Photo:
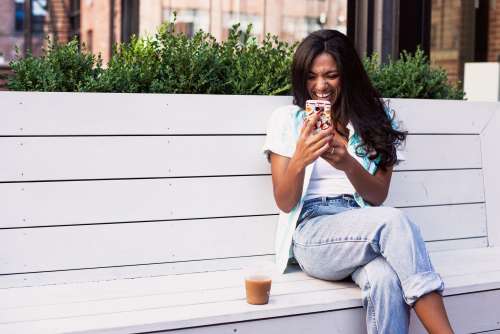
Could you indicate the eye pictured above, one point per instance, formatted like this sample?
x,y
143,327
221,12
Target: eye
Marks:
x,y
332,76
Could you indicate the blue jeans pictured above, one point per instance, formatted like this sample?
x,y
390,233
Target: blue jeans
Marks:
x,y
379,247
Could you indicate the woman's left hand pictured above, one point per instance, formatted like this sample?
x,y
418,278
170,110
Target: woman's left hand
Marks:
x,y
337,155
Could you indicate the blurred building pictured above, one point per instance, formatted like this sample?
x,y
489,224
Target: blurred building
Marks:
x,y
291,20
57,19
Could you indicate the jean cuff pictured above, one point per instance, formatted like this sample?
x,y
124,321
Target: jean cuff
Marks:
x,y
421,284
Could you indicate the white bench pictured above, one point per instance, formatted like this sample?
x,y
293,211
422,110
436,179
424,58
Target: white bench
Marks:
x,y
134,213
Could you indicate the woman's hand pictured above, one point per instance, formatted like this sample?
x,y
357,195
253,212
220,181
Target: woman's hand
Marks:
x,y
310,146
337,155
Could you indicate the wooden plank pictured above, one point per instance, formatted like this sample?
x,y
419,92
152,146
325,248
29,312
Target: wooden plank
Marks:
x,y
118,244
93,113
348,321
141,299
423,152
445,245
168,242
126,272
171,284
27,113
189,309
468,313
476,269
490,138
88,202
450,221
435,187
443,116
66,158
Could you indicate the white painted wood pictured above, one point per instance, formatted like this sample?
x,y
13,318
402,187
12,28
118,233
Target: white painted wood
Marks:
x,y
450,221
88,202
468,313
348,321
423,152
168,242
490,139
442,116
436,246
195,315
94,113
126,272
57,203
65,158
473,261
31,113
157,303
135,243
171,284
482,81
435,187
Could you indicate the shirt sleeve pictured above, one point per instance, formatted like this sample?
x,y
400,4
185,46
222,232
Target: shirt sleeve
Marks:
x,y
279,137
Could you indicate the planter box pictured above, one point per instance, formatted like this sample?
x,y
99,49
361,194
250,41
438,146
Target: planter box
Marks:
x,y
482,81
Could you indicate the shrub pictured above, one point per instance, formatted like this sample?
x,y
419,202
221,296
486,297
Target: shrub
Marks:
x,y
170,62
411,76
63,68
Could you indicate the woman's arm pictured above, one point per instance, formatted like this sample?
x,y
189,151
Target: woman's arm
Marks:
x,y
373,188
288,173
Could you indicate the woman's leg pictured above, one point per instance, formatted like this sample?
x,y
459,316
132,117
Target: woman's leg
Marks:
x,y
332,247
431,312
386,310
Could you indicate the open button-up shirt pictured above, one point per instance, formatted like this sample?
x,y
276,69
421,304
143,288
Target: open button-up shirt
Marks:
x,y
283,131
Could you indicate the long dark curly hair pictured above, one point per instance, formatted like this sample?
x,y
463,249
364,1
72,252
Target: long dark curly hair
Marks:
x,y
359,102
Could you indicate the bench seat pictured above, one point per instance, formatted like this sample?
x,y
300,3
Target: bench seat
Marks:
x,y
203,300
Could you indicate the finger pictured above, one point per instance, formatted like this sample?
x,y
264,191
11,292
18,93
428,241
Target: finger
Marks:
x,y
322,134
322,150
320,143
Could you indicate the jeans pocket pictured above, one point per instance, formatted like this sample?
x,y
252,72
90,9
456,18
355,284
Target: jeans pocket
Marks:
x,y
306,213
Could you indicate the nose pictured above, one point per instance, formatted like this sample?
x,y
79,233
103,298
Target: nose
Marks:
x,y
321,84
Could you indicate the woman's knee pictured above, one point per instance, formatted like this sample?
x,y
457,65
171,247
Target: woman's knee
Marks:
x,y
382,277
397,219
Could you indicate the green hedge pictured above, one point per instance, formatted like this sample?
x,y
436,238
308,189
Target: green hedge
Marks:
x,y
170,62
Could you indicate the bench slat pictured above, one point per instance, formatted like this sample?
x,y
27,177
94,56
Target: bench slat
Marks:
x,y
88,246
156,309
69,158
29,113
472,261
88,202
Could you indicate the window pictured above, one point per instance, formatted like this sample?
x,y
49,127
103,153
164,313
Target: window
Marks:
x,y
38,12
74,19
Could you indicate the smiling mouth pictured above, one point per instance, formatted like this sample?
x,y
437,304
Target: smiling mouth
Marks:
x,y
323,95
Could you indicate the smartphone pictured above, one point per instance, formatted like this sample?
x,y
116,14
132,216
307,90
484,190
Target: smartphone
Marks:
x,y
323,108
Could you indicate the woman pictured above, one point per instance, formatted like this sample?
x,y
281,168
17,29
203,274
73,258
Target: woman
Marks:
x,y
329,187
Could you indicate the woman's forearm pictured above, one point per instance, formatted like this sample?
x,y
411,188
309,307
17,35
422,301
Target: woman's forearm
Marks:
x,y
372,189
289,189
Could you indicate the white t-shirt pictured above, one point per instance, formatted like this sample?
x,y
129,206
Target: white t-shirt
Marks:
x,y
327,180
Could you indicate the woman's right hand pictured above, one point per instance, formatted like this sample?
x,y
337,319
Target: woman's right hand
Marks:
x,y
310,145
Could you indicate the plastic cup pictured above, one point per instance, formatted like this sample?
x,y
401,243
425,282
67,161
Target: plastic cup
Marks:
x,y
258,280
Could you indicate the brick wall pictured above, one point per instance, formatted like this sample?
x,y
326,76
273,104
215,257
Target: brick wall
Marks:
x,y
494,32
4,72
94,28
57,21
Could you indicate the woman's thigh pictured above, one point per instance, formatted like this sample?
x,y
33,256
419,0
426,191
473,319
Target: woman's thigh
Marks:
x,y
332,246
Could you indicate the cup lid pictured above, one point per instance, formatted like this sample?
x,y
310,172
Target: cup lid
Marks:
x,y
260,268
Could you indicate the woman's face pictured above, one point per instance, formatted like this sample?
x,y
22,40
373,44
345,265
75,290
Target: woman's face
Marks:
x,y
323,81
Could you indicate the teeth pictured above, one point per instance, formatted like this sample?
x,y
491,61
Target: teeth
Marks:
x,y
323,95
